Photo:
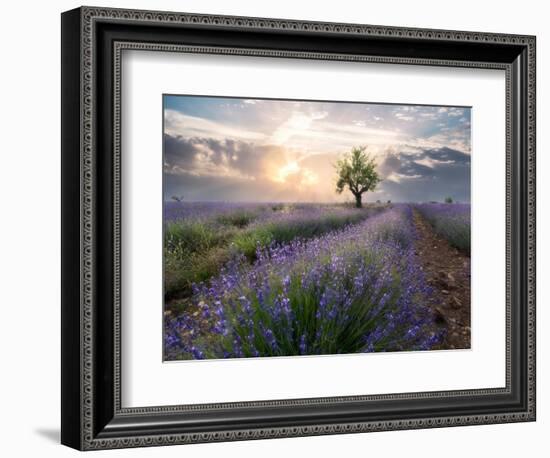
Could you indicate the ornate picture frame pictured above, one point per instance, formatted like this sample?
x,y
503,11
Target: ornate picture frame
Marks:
x,y
93,416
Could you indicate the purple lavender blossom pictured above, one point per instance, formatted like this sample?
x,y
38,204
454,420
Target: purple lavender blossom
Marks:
x,y
450,221
358,289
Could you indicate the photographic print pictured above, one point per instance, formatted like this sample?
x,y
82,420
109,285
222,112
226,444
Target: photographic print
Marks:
x,y
263,255
296,227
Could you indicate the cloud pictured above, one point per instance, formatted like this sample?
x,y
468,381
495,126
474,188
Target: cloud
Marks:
x,y
425,174
408,109
455,112
454,138
295,175
297,124
211,157
390,164
205,169
399,177
429,115
252,149
403,117
432,163
239,160
316,132
175,123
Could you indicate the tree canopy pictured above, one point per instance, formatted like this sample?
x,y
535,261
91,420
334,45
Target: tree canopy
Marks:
x,y
357,171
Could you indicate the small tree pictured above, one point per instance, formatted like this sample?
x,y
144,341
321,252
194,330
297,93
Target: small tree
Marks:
x,y
448,200
357,171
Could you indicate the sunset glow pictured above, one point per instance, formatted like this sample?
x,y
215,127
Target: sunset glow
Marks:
x,y
237,149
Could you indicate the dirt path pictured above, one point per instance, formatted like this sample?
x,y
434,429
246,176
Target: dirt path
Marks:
x,y
448,272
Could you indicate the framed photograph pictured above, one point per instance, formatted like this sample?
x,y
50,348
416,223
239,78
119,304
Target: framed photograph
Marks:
x,y
276,228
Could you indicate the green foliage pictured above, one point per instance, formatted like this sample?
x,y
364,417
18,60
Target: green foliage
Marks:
x,y
194,236
284,231
330,336
237,218
182,269
456,232
192,252
448,200
357,172
247,242
195,250
452,222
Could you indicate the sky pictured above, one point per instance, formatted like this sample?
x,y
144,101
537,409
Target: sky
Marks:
x,y
268,150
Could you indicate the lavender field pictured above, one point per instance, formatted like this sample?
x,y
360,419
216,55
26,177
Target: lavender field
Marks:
x,y
279,279
452,222
369,264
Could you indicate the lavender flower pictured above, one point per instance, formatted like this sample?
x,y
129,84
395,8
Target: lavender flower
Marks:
x,y
450,221
356,289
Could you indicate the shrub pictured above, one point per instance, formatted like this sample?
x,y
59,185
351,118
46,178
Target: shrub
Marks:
x,y
452,222
359,289
238,218
196,248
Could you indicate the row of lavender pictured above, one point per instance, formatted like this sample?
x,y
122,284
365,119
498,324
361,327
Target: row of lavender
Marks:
x,y
201,237
357,289
450,221
175,211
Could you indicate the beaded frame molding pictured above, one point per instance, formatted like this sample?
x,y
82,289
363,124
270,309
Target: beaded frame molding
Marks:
x,y
93,40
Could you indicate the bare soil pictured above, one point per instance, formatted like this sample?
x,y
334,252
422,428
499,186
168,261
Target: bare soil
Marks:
x,y
448,273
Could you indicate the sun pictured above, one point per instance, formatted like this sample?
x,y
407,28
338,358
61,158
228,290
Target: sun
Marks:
x,y
292,168
293,173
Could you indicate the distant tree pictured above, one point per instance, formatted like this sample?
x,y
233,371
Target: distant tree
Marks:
x,y
448,200
357,171
177,198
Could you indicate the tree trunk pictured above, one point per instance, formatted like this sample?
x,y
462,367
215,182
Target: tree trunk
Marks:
x,y
358,203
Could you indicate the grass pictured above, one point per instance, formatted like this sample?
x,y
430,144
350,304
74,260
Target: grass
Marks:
x,y
196,249
456,232
358,289
193,252
284,231
450,221
239,218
